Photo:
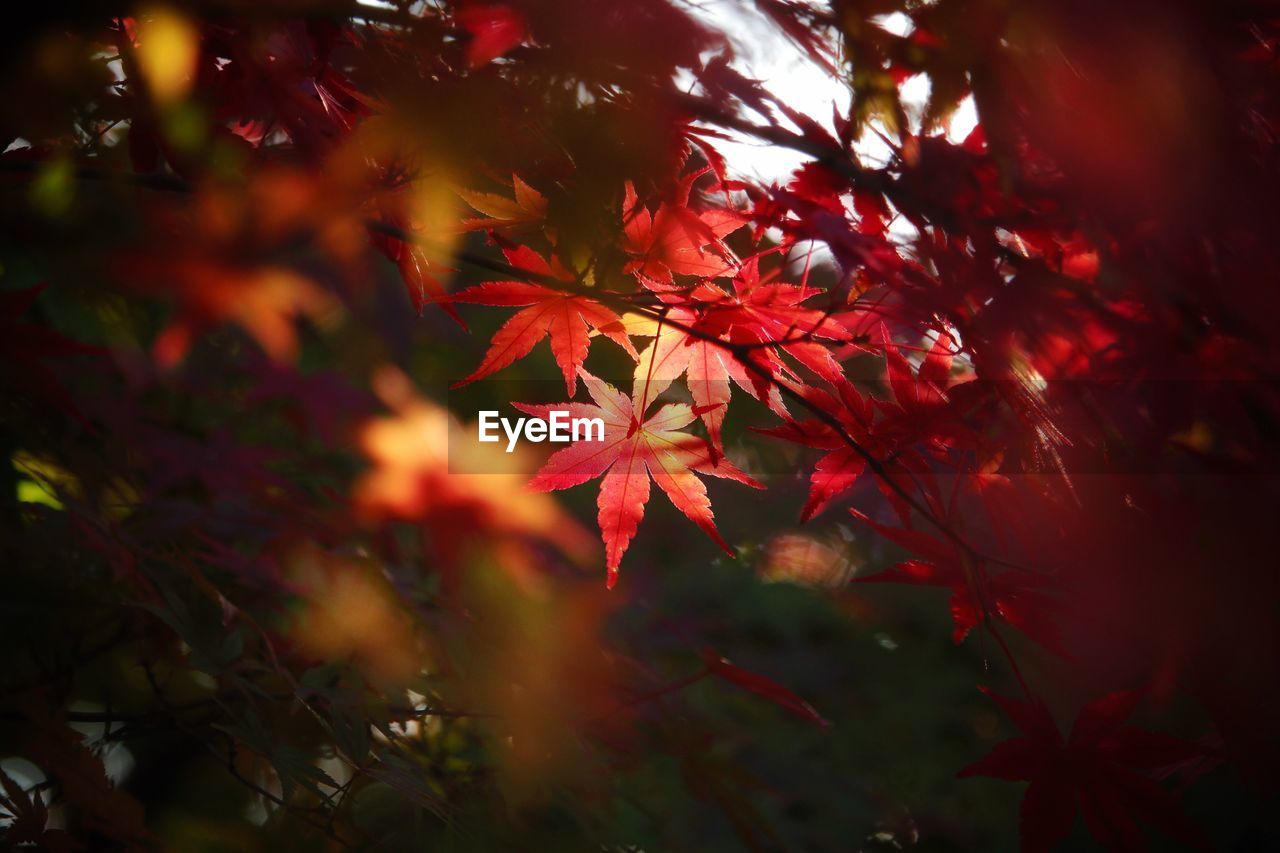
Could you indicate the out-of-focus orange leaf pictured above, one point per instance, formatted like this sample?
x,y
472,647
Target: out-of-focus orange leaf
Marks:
x,y
228,256
412,481
536,662
264,302
167,49
350,611
804,560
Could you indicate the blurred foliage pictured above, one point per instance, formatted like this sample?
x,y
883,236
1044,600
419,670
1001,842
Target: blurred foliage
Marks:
x,y
258,595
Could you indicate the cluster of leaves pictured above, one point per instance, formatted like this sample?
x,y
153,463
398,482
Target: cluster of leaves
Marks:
x,y
1034,359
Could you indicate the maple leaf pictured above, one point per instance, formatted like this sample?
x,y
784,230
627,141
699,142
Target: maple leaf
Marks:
x,y
769,316
773,308
416,271
566,318
528,207
495,29
676,239
264,302
925,402
709,369
837,471
305,97
919,399
634,450
423,285
765,688
916,392
1022,599
27,818
104,808
1100,771
817,183
752,316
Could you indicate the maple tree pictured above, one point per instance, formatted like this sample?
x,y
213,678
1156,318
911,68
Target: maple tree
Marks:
x,y
1003,328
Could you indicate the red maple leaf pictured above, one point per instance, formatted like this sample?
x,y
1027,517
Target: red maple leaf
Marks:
x,y
915,392
765,688
417,271
1102,771
566,318
495,29
634,450
709,369
761,318
763,313
925,403
920,398
1023,599
838,470
676,239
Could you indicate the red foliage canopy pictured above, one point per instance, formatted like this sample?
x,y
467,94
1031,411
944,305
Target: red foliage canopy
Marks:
x,y
1039,360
